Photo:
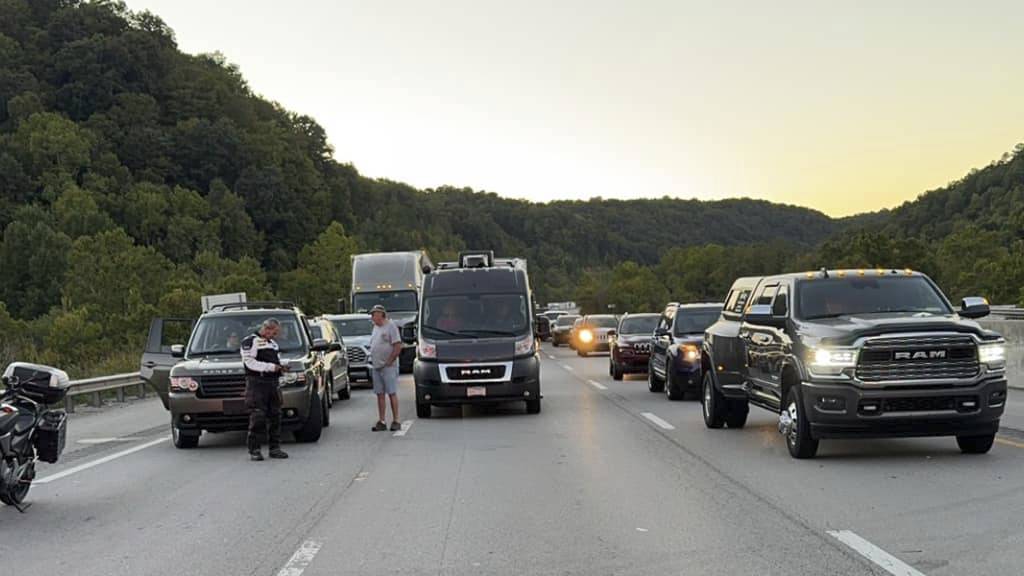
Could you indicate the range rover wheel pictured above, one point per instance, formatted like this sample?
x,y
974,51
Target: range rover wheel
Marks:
x,y
314,425
713,403
653,383
183,441
422,410
675,393
795,427
975,444
533,406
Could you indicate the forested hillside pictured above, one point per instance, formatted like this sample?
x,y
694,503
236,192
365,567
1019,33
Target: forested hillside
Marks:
x,y
134,178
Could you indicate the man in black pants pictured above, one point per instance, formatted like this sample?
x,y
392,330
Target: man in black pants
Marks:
x,y
262,394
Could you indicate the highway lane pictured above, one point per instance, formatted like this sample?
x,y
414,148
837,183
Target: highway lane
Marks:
x,y
589,486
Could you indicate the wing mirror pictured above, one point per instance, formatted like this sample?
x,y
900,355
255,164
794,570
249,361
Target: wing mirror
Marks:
x,y
974,307
177,351
335,347
761,315
409,333
319,345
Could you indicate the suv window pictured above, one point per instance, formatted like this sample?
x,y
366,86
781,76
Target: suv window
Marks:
x,y
638,325
694,320
765,295
603,321
353,326
565,320
223,334
780,307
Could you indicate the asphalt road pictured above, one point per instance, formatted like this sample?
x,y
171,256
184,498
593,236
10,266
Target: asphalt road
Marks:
x,y
608,479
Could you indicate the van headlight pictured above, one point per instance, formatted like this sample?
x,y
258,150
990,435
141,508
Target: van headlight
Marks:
x,y
524,346
426,349
993,355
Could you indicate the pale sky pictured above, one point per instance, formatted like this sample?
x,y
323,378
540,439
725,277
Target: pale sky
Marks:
x,y
842,106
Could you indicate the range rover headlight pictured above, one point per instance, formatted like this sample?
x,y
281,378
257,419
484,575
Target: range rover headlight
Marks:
x,y
994,355
184,384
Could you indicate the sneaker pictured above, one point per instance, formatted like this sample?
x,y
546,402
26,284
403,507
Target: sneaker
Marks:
x,y
379,427
278,454
396,426
256,456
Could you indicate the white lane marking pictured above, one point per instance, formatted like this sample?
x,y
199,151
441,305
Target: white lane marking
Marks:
x,y
302,558
104,440
95,463
881,558
658,421
405,428
362,476
642,530
551,356
597,385
569,368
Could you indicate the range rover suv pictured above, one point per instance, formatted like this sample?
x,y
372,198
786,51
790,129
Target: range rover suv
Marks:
x,y
855,354
631,345
676,349
202,383
476,336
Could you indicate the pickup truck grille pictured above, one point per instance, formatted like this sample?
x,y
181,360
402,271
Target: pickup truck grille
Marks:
x,y
940,357
232,386
356,355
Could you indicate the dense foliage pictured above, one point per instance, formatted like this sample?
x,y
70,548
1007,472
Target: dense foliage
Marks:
x,y
135,178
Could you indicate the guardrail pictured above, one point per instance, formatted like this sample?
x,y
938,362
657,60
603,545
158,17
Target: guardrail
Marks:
x,y
1008,312
96,386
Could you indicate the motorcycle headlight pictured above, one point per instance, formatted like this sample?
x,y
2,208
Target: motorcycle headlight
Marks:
x,y
426,349
994,355
524,346
184,384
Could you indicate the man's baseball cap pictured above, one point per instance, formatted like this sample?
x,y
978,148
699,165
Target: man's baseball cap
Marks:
x,y
378,308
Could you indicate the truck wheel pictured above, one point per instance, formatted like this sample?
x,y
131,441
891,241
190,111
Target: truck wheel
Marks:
x,y
737,415
653,384
314,425
422,410
533,406
798,431
713,403
975,444
672,387
183,441
617,372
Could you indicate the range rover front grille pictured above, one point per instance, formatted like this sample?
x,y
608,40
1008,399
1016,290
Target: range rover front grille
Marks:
x,y
939,357
232,386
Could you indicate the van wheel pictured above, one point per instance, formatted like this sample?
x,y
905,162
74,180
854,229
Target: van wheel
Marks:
x,y
422,410
713,403
798,432
653,384
314,425
975,444
533,406
183,441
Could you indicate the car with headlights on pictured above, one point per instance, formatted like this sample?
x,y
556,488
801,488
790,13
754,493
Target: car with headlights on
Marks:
x,y
594,333
855,354
630,345
675,364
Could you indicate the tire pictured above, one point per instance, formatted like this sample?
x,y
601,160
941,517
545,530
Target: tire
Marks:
x,y
533,406
799,441
653,384
16,495
736,418
313,427
672,389
975,444
617,372
183,441
327,409
423,410
346,392
712,402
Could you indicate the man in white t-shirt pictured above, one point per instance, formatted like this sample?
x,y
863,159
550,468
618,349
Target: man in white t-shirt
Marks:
x,y
385,346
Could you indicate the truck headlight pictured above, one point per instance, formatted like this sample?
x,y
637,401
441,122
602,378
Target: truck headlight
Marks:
x,y
994,355
524,346
426,349
835,358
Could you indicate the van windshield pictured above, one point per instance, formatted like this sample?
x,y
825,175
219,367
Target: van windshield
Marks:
x,y
222,335
453,317
404,301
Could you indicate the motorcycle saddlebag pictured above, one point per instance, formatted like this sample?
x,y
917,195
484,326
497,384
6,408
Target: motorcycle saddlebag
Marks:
x,y
51,435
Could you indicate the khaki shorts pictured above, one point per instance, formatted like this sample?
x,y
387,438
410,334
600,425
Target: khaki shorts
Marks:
x,y
385,380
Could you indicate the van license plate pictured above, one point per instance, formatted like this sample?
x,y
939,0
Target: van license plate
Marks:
x,y
476,391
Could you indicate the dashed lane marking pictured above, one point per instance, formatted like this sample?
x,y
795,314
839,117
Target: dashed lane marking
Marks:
x,y
597,385
302,558
98,462
569,368
1009,443
658,421
879,557
405,428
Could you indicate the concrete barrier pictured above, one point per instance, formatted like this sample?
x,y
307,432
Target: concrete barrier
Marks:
x,y
1013,331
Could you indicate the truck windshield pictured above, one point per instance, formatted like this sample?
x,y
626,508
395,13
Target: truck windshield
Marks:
x,y
639,325
404,301
475,316
353,327
694,321
834,297
222,335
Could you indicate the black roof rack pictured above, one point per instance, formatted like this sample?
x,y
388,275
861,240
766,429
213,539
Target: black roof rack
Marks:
x,y
255,305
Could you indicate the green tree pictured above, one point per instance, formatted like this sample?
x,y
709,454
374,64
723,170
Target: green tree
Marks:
x,y
324,274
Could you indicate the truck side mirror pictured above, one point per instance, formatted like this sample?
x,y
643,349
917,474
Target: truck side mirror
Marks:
x,y
974,307
177,351
761,315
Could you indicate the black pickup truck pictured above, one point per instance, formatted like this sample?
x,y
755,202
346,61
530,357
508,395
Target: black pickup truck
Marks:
x,y
854,354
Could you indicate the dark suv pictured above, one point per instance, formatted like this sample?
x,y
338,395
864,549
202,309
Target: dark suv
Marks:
x,y
675,349
855,354
203,383
561,329
631,345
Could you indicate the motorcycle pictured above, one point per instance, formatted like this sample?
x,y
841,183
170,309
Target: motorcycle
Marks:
x,y
29,430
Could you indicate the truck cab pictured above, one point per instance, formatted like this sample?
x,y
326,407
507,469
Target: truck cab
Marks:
x,y
854,354
476,338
